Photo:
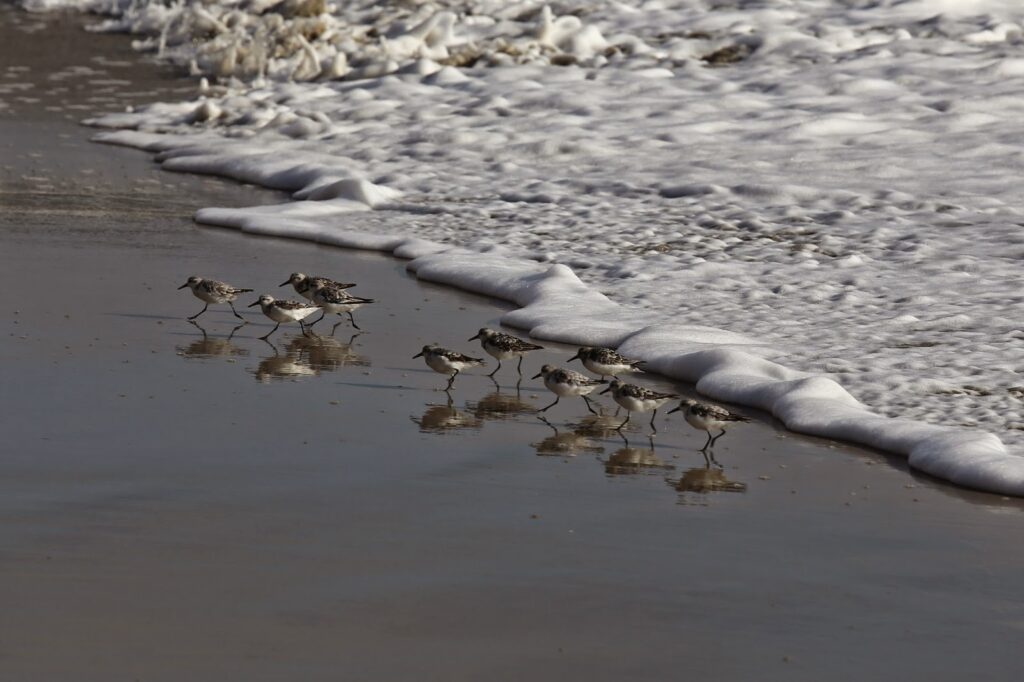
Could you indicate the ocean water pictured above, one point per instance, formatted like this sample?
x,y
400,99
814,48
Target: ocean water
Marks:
x,y
808,207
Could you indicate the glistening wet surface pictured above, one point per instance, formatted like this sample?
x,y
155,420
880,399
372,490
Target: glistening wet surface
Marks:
x,y
180,505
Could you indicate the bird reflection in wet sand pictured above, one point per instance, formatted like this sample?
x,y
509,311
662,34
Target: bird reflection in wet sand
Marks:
x,y
288,365
500,405
305,356
706,479
599,425
566,443
216,346
630,460
327,354
445,418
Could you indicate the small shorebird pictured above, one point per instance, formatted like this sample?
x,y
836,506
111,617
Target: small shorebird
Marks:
x,y
211,291
332,299
704,417
565,382
501,346
606,362
283,311
637,399
304,284
444,361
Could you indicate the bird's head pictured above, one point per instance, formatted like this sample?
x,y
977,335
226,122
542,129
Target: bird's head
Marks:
x,y
545,371
264,300
581,353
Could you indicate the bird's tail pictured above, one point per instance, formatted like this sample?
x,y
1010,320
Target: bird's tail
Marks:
x,y
243,291
638,365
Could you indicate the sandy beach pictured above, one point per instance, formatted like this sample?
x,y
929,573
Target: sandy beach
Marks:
x,y
188,503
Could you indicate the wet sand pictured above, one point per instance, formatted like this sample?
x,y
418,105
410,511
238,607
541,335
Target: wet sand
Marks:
x,y
185,506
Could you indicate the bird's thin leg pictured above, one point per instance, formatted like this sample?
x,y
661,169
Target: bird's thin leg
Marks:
x,y
617,410
322,314
557,398
200,328
451,380
495,381
353,321
712,441
628,415
264,338
707,461
236,329
655,414
335,328
520,365
495,370
230,303
707,443
589,407
200,312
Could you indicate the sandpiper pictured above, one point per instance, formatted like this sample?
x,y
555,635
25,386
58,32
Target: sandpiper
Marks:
x,y
501,346
211,291
332,299
704,417
283,311
304,284
444,361
606,362
565,382
638,399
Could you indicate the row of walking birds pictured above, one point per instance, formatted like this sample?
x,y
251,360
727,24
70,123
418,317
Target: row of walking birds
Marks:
x,y
568,383
330,296
321,294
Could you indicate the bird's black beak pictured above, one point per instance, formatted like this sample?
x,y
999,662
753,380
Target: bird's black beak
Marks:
x,y
675,410
474,338
605,390
183,285
287,281
252,304
418,355
536,375
575,357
